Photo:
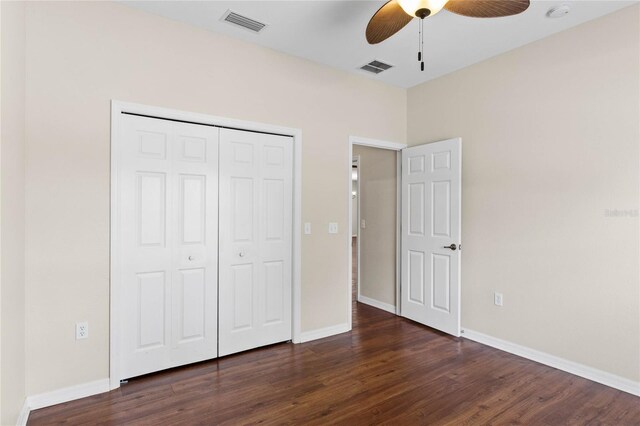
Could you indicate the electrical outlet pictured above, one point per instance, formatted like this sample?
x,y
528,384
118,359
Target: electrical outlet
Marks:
x,y
333,228
82,330
307,228
363,224
497,299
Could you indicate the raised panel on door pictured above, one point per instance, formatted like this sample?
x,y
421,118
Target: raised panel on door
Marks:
x,y
274,205
192,209
256,199
150,303
441,209
190,303
416,205
151,198
193,148
431,222
151,144
415,277
440,282
242,288
167,244
275,292
241,206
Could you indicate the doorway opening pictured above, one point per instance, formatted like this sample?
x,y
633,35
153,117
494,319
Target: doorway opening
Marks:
x,y
374,193
427,201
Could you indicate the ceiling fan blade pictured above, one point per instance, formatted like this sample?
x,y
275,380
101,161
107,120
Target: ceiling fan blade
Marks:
x,y
387,21
487,8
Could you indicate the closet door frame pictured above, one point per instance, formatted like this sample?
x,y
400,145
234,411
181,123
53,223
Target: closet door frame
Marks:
x,y
119,108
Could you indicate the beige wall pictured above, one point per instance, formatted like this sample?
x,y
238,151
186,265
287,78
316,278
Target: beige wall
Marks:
x,y
82,55
378,207
12,179
550,137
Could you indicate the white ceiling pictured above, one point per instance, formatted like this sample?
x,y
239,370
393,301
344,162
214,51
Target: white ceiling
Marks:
x,y
332,32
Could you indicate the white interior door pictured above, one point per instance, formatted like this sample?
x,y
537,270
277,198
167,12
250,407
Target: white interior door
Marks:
x,y
256,205
431,222
168,198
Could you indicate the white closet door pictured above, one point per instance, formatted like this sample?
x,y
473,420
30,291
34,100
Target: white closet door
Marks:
x,y
168,198
256,187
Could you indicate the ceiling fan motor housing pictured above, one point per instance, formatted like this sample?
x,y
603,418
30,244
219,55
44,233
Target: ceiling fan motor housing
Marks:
x,y
423,13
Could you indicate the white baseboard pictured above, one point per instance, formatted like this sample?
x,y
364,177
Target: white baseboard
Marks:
x,y
575,368
67,394
23,416
377,304
307,336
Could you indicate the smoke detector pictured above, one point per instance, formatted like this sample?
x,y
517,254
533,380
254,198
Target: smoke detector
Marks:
x,y
558,12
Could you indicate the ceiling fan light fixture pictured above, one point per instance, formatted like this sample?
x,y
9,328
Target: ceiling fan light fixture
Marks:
x,y
422,8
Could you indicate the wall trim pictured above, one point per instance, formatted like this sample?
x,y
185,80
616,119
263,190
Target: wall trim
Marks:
x,y
321,333
572,367
377,304
375,143
23,416
70,393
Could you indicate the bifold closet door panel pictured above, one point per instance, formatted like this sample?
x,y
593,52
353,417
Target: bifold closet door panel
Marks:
x,y
195,285
256,209
167,240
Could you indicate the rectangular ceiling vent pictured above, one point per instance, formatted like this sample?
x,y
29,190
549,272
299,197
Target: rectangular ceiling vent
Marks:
x,y
242,21
376,67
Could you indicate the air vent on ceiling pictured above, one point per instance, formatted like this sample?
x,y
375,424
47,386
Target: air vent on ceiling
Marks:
x,y
376,67
242,21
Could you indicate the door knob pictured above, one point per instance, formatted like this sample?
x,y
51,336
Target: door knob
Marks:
x,y
190,258
241,254
451,247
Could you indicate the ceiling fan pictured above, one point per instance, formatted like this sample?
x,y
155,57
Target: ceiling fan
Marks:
x,y
395,14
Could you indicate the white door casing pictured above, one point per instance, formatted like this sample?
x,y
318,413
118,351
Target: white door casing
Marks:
x,y
431,222
168,211
256,196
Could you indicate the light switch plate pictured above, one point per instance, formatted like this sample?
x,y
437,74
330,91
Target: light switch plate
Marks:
x,y
363,224
307,228
333,228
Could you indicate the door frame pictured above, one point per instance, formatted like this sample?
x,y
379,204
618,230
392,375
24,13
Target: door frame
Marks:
x,y
356,160
119,107
374,143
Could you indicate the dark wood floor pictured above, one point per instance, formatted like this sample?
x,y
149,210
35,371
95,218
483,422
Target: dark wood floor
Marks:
x,y
387,370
